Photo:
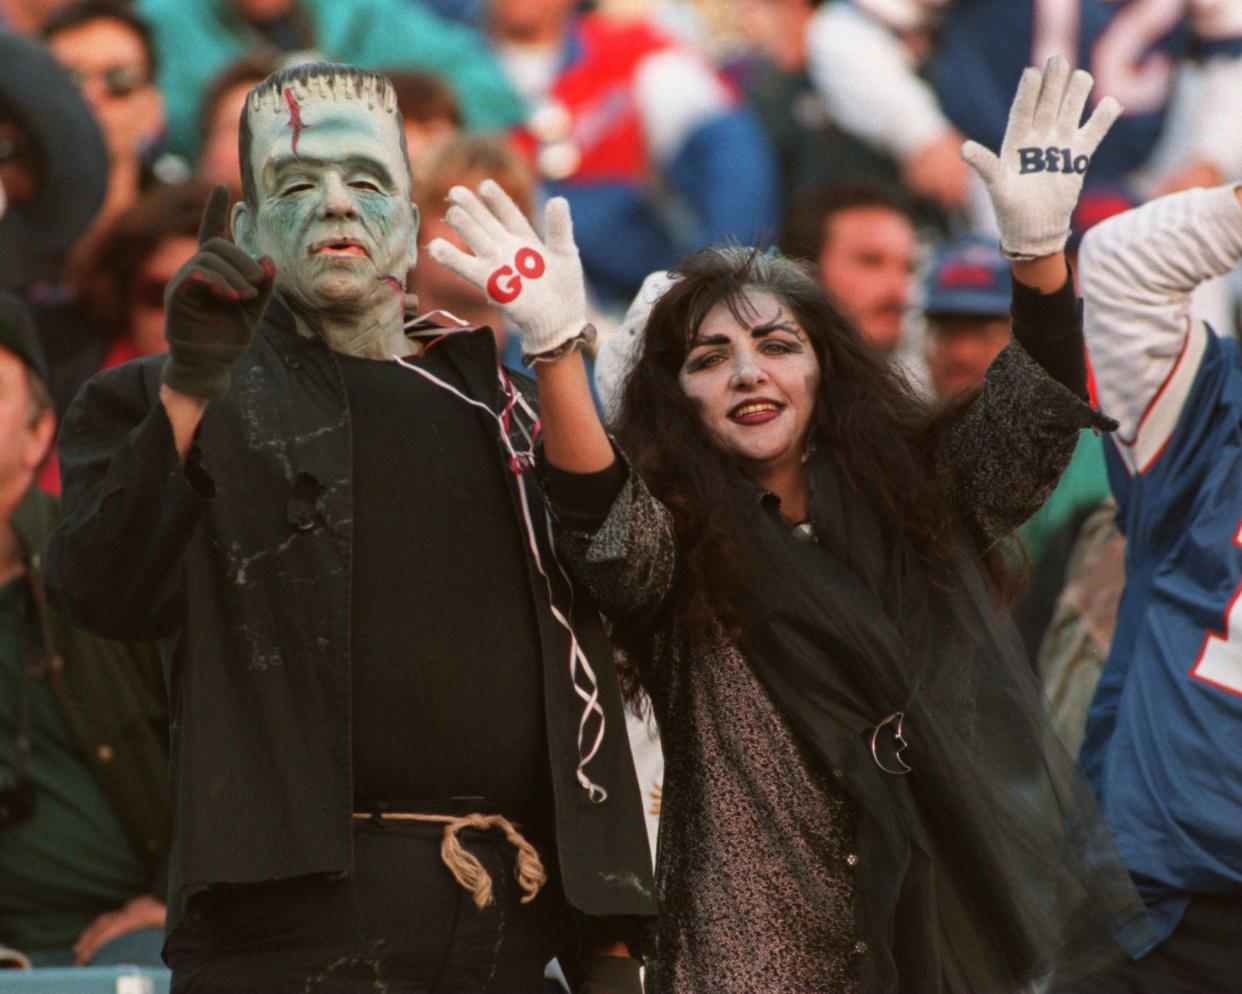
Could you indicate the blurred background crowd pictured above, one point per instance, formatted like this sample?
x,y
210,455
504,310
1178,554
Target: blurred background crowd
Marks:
x,y
828,131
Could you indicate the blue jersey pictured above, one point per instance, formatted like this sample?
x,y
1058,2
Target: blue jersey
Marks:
x,y
1163,748
1131,47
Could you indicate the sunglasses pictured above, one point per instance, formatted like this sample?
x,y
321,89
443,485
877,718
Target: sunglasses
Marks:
x,y
119,81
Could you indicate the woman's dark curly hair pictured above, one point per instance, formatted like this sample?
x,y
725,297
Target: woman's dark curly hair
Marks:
x,y
879,428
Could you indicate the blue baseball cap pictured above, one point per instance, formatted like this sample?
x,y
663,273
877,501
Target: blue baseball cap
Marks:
x,y
968,276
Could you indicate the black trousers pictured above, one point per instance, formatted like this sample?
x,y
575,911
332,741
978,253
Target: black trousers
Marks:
x,y
399,923
1203,955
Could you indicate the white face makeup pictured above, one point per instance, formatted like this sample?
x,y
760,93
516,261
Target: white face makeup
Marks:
x,y
333,191
754,384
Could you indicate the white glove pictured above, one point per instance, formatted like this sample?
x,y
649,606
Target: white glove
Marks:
x,y
540,287
1035,182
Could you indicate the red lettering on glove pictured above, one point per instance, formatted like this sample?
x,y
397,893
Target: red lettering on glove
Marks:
x,y
505,292
504,285
529,263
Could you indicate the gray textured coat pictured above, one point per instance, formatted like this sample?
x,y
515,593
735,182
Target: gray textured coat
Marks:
x,y
758,870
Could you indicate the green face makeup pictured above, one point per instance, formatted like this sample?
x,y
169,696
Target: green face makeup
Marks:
x,y
333,192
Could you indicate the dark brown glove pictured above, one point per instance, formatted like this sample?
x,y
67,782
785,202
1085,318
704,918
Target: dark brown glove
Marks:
x,y
212,305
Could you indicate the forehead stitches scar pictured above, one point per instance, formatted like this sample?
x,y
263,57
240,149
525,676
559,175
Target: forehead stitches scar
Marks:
x,y
295,118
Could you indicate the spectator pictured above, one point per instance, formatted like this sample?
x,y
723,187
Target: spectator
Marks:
x,y
237,499
752,555
1168,708
862,243
137,257
53,164
222,108
812,150
121,304
1079,634
83,725
972,51
109,53
466,161
26,17
196,39
649,175
966,302
429,109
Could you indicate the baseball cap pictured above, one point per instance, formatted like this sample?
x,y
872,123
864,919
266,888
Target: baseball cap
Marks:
x,y
968,276
18,335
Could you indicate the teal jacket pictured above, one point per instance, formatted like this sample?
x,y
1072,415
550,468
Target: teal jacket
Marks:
x,y
113,699
197,39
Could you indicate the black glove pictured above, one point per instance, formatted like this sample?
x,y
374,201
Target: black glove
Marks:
x,y
610,975
212,305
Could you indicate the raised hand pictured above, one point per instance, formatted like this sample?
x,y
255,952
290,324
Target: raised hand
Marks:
x,y
1035,181
538,285
212,305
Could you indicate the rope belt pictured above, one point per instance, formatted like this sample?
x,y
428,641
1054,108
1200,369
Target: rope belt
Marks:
x,y
464,865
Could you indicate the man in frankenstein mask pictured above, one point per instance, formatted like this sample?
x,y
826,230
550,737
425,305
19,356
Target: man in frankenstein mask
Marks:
x,y
323,511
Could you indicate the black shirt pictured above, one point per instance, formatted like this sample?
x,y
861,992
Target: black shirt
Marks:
x,y
446,671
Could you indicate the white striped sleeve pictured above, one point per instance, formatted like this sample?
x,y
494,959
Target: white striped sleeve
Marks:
x,y
1137,272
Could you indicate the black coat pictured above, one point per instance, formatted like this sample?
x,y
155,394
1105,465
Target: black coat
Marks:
x,y
240,564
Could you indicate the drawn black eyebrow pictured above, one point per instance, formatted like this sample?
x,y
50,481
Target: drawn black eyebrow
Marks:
x,y
776,324
699,340
780,321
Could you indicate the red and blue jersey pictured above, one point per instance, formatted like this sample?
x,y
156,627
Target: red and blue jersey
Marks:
x,y
655,152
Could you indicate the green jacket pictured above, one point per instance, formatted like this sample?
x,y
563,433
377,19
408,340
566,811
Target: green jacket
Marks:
x,y
113,699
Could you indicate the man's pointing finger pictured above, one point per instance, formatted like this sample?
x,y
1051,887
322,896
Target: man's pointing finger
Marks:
x,y
215,223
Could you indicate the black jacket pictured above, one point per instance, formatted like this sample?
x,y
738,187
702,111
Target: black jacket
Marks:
x,y
240,563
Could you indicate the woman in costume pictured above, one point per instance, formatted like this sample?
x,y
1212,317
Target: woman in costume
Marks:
x,y
798,557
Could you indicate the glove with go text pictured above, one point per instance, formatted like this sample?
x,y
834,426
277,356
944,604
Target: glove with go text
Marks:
x,y
539,285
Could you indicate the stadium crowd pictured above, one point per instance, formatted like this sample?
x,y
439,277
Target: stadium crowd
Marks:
x,y
311,585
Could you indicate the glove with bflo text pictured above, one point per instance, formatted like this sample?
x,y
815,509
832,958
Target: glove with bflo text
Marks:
x,y
539,286
213,304
1035,181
